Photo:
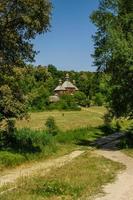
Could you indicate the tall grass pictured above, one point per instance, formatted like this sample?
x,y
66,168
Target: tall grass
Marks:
x,y
9,159
25,145
28,144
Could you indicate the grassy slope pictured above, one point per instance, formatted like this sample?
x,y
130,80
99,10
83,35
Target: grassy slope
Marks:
x,y
82,177
65,120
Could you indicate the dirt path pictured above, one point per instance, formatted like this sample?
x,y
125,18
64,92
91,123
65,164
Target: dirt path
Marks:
x,y
14,174
122,188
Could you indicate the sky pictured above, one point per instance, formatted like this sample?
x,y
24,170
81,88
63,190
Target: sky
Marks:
x,y
69,44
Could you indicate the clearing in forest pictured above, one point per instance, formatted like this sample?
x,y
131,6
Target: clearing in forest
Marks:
x,y
65,120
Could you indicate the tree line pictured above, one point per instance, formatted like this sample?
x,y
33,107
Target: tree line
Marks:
x,y
37,84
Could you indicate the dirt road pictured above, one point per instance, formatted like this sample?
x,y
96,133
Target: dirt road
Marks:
x,y
14,174
122,188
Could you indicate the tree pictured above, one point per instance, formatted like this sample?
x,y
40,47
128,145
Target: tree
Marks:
x,y
20,22
114,52
38,98
80,98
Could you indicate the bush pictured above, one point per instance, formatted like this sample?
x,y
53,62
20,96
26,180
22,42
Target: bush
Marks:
x,y
51,126
31,140
99,99
123,125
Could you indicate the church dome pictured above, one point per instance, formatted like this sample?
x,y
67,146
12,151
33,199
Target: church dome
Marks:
x,y
59,87
68,84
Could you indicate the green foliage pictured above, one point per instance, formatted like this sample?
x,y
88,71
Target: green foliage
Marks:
x,y
12,101
67,102
51,127
79,135
38,99
113,52
124,125
36,84
80,98
98,99
7,134
20,22
25,144
9,159
31,140
10,126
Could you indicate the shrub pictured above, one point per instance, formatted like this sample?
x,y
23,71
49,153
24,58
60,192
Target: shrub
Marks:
x,y
99,99
51,126
31,140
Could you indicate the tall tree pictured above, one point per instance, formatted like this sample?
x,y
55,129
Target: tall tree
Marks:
x,y
114,51
20,22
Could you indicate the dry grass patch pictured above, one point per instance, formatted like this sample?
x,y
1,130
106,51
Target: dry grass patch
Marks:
x,y
65,120
81,178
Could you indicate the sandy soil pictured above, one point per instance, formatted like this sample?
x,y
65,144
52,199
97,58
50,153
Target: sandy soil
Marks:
x,y
46,166
122,188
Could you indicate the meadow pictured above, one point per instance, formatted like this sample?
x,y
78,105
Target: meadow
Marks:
x,y
65,120
81,178
31,142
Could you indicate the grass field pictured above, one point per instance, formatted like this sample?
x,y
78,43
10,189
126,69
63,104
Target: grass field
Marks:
x,y
75,127
65,120
81,178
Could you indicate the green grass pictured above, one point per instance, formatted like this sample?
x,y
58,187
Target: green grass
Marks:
x,y
33,144
66,120
43,146
78,135
9,159
83,177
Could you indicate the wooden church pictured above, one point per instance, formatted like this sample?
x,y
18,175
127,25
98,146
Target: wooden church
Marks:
x,y
66,87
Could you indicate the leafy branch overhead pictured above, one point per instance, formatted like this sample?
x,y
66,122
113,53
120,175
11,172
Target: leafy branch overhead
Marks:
x,y
21,21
